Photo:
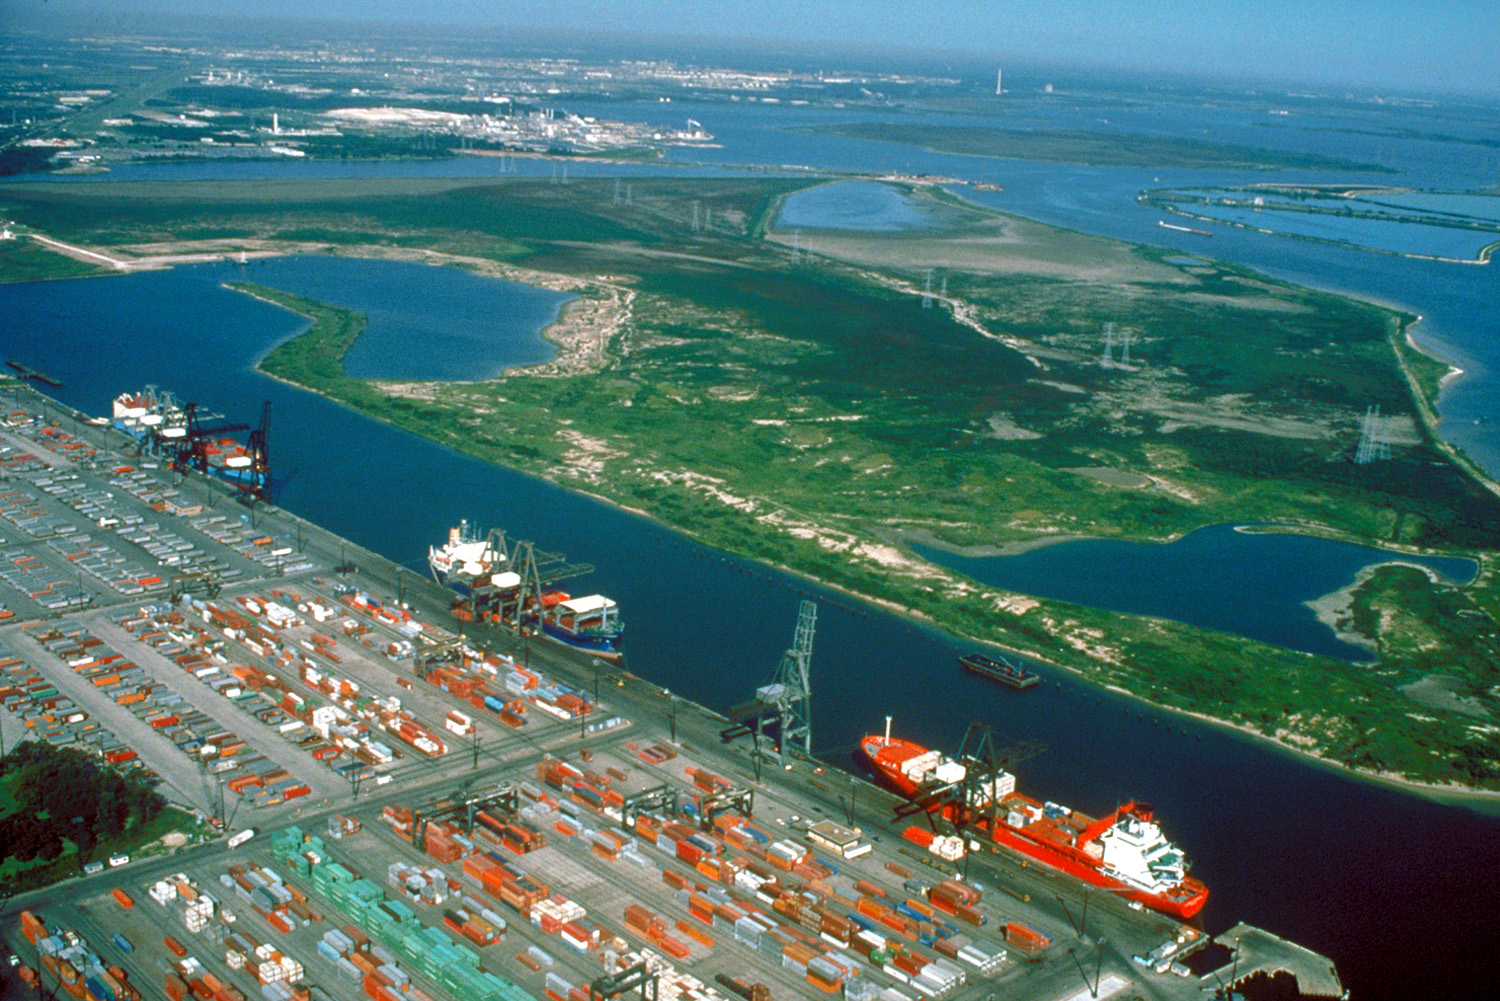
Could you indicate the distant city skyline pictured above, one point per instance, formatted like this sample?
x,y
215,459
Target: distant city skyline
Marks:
x,y
1380,45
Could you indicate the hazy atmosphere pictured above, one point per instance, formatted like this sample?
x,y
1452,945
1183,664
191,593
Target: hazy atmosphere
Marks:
x,y
519,500
1374,44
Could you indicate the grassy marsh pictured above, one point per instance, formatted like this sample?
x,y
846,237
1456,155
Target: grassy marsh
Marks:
x,y
811,414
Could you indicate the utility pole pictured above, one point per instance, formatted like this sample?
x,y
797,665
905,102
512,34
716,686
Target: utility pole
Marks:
x,y
1080,925
1098,969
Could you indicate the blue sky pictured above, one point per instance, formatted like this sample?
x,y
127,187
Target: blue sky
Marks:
x,y
1382,44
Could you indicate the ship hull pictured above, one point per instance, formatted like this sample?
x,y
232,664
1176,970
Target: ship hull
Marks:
x,y
887,754
605,647
243,478
451,583
1182,909
996,671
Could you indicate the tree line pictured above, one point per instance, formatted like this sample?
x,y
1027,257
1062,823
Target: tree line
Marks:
x,y
67,795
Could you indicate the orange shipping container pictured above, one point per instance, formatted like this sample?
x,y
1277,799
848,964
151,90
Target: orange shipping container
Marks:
x,y
696,934
1024,938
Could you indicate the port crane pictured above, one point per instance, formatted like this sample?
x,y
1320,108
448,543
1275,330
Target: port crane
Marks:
x,y
186,445
956,801
788,698
260,444
194,582
613,985
512,601
666,801
462,807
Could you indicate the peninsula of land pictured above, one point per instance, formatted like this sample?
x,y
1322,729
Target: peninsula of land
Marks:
x,y
814,399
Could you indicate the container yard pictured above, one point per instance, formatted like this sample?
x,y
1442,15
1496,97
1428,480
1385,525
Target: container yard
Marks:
x,y
428,815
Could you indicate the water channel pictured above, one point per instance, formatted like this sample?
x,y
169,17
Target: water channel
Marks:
x,y
1397,889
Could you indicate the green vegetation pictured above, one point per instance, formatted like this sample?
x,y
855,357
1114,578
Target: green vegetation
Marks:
x,y
60,808
314,361
814,415
1095,148
23,160
24,261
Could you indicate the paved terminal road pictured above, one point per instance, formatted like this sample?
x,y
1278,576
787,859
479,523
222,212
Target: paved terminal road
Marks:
x,y
1093,935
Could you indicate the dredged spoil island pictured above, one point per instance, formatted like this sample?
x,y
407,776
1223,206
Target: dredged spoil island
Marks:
x,y
794,399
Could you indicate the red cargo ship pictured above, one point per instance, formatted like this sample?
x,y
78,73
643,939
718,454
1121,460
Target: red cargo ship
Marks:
x,y
1124,852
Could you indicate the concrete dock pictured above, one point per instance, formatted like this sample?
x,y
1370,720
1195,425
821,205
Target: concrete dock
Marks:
x,y
214,695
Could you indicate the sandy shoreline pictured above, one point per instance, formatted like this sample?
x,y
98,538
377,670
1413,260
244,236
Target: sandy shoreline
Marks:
x,y
582,332
1451,793
925,537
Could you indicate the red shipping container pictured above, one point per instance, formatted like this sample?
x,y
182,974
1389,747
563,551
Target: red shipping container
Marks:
x,y
969,914
918,835
696,934
674,948
1024,938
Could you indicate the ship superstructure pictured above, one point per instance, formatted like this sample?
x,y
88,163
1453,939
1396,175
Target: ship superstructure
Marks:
x,y
189,438
467,561
503,584
1124,852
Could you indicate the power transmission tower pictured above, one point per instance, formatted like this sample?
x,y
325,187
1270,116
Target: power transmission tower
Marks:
x,y
1374,445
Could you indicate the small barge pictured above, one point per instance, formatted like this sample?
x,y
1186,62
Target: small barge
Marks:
x,y
1000,670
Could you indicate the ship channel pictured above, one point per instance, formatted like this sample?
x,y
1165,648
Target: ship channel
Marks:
x,y
352,475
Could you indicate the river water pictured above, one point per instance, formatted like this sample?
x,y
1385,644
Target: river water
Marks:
x,y
1255,584
1398,890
